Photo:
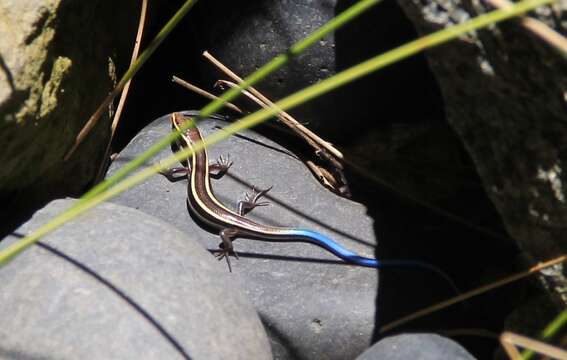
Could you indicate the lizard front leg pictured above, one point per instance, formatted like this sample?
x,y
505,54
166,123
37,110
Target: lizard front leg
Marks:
x,y
220,167
176,173
217,169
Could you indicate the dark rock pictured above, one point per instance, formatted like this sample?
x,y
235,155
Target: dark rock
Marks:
x,y
58,61
416,347
391,123
118,283
504,91
532,316
313,305
245,36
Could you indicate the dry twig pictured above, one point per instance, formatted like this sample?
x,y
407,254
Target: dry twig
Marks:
x,y
470,332
538,28
472,293
286,118
124,94
203,93
322,148
334,182
511,341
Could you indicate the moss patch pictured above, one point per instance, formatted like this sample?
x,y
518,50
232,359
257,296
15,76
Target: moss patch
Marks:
x,y
60,69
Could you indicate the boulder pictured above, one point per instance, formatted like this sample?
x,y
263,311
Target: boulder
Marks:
x,y
117,283
58,61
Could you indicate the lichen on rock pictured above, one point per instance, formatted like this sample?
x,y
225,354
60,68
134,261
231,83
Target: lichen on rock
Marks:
x,y
53,74
49,96
504,97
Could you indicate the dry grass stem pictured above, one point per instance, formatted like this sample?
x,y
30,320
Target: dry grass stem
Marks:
x,y
326,178
130,73
124,95
472,293
92,122
511,341
470,332
203,93
286,118
537,27
266,106
135,52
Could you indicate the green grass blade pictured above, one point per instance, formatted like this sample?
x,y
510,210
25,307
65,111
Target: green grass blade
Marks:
x,y
295,99
132,70
275,64
549,332
156,42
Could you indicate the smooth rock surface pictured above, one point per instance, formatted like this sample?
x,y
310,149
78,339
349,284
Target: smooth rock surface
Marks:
x,y
504,91
390,123
119,284
416,347
314,305
245,36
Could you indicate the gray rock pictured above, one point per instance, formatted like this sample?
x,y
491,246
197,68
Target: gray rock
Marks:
x,y
54,72
243,47
504,91
313,304
119,284
410,147
271,27
416,347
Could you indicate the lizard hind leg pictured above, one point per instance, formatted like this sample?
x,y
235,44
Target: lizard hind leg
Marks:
x,y
225,248
251,200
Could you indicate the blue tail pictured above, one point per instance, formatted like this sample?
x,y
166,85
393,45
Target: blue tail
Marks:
x,y
348,256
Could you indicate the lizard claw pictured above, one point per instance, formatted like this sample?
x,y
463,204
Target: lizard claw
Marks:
x,y
221,253
224,163
251,200
221,166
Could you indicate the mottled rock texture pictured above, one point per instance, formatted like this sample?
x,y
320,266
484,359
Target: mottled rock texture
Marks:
x,y
504,91
58,60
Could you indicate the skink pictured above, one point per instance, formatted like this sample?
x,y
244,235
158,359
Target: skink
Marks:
x,y
209,209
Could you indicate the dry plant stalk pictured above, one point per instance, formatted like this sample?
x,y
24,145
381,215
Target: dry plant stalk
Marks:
x,y
203,93
537,27
286,118
470,332
266,106
326,178
323,149
480,290
511,341
124,95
